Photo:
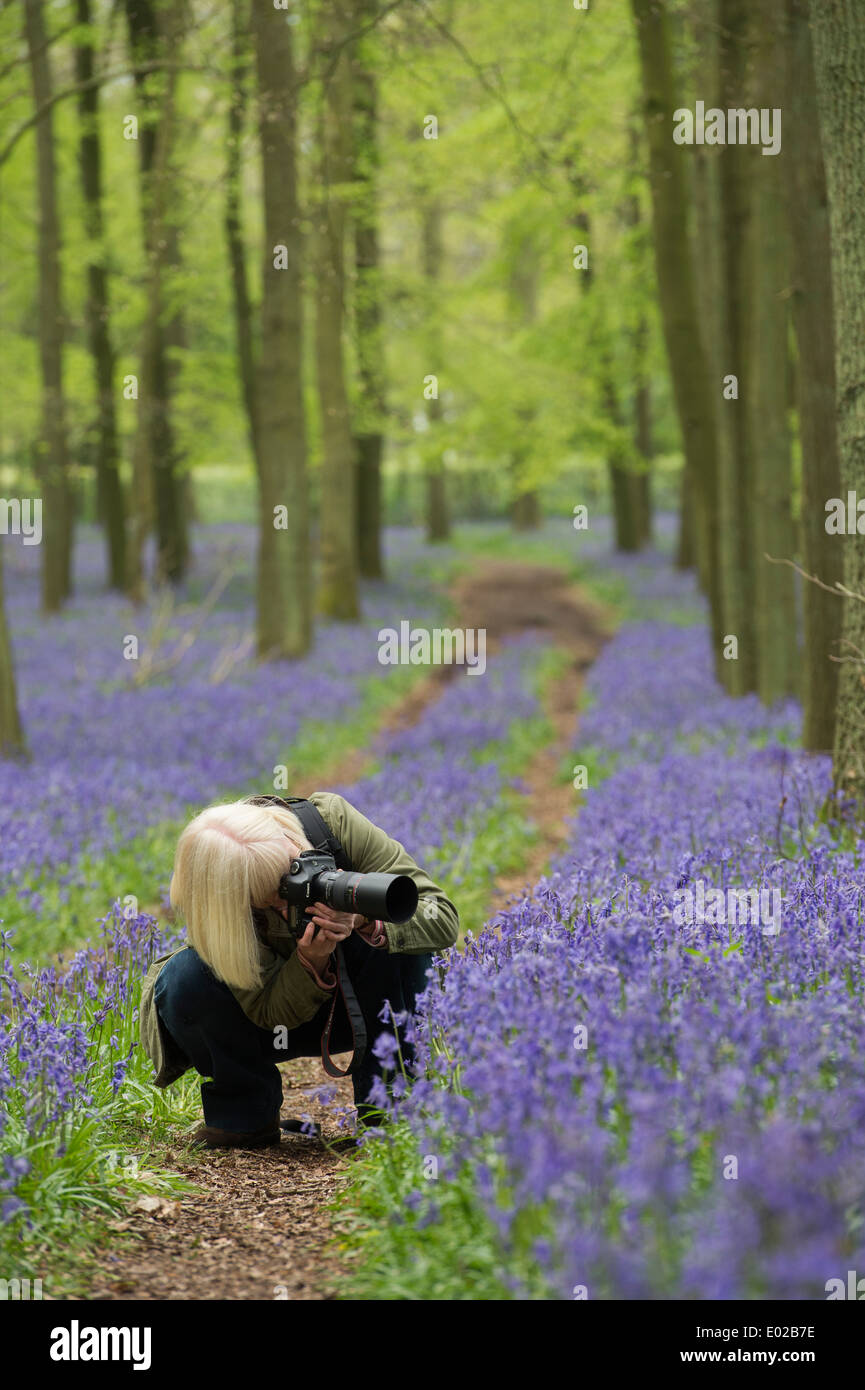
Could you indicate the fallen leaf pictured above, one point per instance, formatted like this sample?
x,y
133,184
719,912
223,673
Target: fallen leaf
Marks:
x,y
147,1204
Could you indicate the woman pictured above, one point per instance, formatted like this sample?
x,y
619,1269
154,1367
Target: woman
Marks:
x,y
256,984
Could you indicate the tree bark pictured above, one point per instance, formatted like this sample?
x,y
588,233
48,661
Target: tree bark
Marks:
x,y
284,615
52,449
814,322
623,481
437,511
526,512
685,544
695,403
174,551
12,741
155,27
243,312
641,482
523,297
109,489
714,292
338,594
838,28
734,163
369,342
768,256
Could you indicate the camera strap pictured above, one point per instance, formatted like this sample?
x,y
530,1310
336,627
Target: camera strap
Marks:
x,y
321,837
356,1022
317,830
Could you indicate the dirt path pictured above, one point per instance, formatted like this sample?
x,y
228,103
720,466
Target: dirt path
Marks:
x,y
508,599
258,1227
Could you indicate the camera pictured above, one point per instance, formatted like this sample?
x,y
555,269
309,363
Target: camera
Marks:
x,y
314,878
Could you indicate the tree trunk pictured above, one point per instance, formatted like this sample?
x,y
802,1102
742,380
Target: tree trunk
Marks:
x,y
52,453
170,476
284,618
627,528
766,389
11,732
369,449
338,595
642,482
641,485
714,314
814,321
369,342
186,483
437,511
525,512
695,404
838,28
523,297
685,544
243,314
623,482
109,490
155,29
624,495
734,164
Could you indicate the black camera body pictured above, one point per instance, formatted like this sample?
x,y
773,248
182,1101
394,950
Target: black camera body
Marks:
x,y
314,878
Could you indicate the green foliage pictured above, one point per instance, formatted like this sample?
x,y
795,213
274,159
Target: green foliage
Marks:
x,y
106,1151
527,146
393,1253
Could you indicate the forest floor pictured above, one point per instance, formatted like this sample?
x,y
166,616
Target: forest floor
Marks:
x,y
258,1227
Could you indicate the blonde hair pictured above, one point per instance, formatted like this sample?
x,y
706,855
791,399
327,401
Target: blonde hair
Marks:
x,y
230,859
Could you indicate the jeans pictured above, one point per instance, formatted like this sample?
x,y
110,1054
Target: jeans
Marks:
x,y
209,1027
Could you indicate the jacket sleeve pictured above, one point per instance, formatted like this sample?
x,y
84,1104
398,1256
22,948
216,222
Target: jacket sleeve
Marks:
x,y
287,996
435,926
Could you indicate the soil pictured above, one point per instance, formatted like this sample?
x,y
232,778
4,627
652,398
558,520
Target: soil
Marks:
x,y
259,1226
508,599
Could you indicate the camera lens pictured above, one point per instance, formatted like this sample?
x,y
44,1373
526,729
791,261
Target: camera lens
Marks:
x,y
391,897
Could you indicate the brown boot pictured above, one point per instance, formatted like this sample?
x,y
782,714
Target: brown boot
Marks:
x,y
206,1137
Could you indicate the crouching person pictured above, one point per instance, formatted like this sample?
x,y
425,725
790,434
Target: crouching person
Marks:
x,y
262,981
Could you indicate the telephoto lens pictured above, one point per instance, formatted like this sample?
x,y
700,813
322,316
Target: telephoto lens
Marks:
x,y
314,878
389,897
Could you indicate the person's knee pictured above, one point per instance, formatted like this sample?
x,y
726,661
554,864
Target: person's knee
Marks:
x,y
185,982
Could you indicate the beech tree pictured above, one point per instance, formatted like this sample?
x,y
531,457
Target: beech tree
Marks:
x,y
371,406
284,615
695,401
338,591
432,248
109,489
814,320
765,386
155,35
838,28
52,456
721,205
11,731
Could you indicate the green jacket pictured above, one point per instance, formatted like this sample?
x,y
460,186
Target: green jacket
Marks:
x,y
288,994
